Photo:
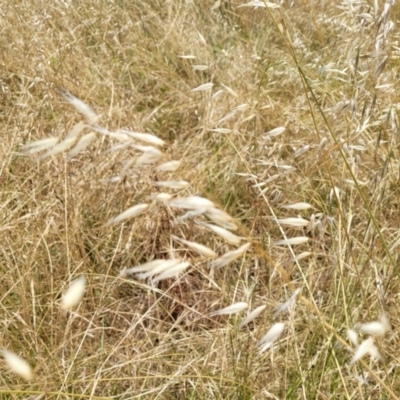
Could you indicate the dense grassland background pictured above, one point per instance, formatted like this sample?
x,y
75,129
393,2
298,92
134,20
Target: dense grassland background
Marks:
x,y
327,71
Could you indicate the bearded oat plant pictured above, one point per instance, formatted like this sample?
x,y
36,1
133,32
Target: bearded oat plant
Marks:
x,y
200,199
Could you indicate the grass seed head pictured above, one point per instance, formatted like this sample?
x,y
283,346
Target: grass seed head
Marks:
x,y
172,272
363,349
253,315
18,365
224,233
74,294
275,132
201,249
232,309
144,137
191,203
294,222
129,213
231,256
39,145
173,184
353,337
271,336
82,107
169,166
204,87
298,206
83,143
159,268
292,241
60,147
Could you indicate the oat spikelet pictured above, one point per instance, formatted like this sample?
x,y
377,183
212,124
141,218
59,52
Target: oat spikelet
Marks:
x,y
271,336
129,213
364,348
228,236
229,90
201,249
159,268
18,365
172,184
169,166
76,130
298,206
285,306
353,337
200,67
227,258
294,222
171,272
144,137
259,3
161,196
275,132
84,142
253,315
376,328
190,214
302,255
39,145
292,241
216,5
221,218
83,108
74,294
143,267
60,147
221,130
149,157
232,309
191,203
204,87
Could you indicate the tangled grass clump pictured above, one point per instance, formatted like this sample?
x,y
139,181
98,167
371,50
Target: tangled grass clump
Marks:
x,y
223,223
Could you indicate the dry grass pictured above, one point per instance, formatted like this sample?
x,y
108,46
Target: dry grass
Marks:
x,y
327,71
